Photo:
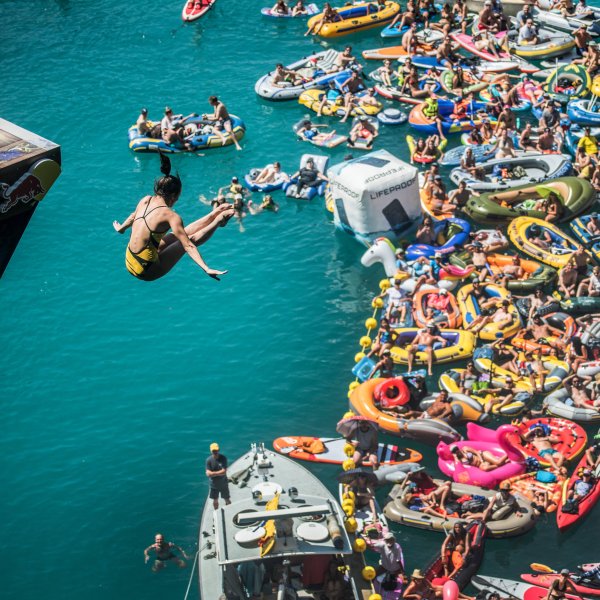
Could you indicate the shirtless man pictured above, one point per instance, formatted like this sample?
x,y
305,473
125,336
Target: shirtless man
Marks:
x,y
222,120
409,40
460,196
343,60
581,259
487,20
423,342
283,75
501,316
440,409
582,39
579,393
350,88
540,332
164,553
511,272
479,259
545,141
543,444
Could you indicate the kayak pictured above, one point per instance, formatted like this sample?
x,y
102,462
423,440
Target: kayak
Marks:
x,y
401,509
357,17
513,589
301,448
585,504
530,168
396,52
574,193
545,580
194,9
560,250
311,9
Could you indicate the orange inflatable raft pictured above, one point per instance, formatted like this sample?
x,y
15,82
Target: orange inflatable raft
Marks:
x,y
432,300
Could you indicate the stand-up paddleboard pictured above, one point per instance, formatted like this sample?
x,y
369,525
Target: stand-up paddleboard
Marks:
x,y
194,9
299,447
509,587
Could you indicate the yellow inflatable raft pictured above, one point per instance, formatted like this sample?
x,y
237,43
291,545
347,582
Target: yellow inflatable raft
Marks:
x,y
523,231
355,17
312,99
471,308
459,345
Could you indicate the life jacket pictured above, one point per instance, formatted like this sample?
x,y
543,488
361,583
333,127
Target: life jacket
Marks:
x,y
431,108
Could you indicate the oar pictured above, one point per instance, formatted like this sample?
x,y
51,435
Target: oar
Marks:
x,y
539,568
289,449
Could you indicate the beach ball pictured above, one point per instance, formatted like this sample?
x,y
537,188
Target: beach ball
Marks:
x,y
359,356
351,525
369,573
371,323
359,545
375,597
365,341
348,464
377,303
384,285
349,450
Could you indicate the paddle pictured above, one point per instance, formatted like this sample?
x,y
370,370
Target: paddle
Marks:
x,y
539,568
289,449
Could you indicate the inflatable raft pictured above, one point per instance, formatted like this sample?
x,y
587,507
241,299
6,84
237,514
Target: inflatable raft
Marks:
x,y
419,121
422,304
498,173
203,137
311,9
563,328
429,431
490,208
559,404
459,345
314,71
592,243
573,438
584,111
560,250
568,82
264,187
398,509
464,408
551,44
333,451
312,99
529,484
450,235
424,159
470,309
357,17
194,9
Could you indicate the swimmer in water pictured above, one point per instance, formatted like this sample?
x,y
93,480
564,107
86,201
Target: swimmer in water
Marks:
x,y
152,252
164,553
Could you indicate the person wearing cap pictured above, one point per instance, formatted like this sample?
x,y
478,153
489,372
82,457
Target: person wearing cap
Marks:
x,y
392,560
216,471
419,587
561,586
221,121
425,341
142,122
365,130
501,316
401,264
385,366
499,397
502,504
163,553
582,486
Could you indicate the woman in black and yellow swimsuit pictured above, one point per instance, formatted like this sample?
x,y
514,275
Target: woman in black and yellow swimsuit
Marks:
x,y
152,252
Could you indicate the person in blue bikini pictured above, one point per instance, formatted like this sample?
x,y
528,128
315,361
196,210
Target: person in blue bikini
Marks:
x,y
152,252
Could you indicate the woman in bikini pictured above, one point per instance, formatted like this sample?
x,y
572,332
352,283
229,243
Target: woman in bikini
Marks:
x,y
486,461
151,252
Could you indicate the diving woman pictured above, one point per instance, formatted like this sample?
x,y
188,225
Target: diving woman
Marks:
x,y
152,252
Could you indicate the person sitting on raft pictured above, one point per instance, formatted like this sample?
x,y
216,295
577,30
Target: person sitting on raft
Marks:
x,y
280,8
455,548
384,338
385,366
501,316
364,130
151,252
469,164
485,461
299,9
222,121
502,504
366,443
172,130
329,15
270,174
364,494
424,342
560,587
308,176
285,76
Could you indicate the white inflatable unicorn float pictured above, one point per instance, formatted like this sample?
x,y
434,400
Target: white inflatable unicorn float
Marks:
x,y
383,251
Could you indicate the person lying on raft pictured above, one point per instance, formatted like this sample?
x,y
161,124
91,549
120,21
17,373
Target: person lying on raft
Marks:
x,y
267,204
500,316
152,252
432,503
308,176
309,131
440,409
280,8
486,460
329,15
542,442
502,396
512,272
222,121
579,394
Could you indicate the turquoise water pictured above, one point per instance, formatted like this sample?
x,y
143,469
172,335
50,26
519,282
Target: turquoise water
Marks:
x,y
114,388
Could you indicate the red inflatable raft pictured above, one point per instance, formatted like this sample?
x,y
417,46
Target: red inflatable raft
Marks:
x,y
194,9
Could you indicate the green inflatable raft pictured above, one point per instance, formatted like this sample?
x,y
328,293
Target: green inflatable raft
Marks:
x,y
568,82
583,305
493,208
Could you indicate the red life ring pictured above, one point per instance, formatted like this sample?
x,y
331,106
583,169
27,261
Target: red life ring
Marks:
x,y
392,392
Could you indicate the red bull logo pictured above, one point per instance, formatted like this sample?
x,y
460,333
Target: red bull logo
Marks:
x,y
23,191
